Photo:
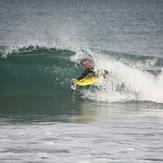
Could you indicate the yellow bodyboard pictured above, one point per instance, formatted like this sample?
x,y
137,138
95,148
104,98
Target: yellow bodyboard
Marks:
x,y
86,82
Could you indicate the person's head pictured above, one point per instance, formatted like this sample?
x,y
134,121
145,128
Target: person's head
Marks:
x,y
87,64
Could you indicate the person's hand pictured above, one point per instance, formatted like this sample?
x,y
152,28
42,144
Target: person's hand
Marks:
x,y
81,80
73,81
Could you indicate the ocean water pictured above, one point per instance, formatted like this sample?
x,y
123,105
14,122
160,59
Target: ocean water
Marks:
x,y
42,120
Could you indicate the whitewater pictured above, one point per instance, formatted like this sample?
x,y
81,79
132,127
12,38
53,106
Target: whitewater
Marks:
x,y
128,81
42,44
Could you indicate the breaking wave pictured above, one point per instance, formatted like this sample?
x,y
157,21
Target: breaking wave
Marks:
x,y
38,70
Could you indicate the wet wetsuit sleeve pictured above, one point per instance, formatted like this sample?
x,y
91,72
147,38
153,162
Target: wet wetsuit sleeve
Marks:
x,y
83,75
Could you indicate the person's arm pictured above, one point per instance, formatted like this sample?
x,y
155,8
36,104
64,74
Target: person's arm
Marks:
x,y
83,75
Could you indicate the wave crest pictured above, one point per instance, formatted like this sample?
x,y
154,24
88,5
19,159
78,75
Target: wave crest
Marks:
x,y
48,71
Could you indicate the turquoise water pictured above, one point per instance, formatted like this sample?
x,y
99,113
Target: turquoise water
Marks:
x,y
41,45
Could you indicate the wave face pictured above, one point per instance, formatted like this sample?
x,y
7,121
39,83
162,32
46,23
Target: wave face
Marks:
x,y
35,70
46,71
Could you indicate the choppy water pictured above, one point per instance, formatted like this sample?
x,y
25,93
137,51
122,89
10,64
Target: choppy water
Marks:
x,y
41,45
86,132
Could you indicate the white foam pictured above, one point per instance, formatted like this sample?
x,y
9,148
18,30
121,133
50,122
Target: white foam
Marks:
x,y
137,84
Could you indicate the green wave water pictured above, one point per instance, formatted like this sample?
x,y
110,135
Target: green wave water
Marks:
x,y
43,71
35,70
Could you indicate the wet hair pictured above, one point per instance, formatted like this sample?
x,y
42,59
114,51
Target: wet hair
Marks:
x,y
87,64
87,59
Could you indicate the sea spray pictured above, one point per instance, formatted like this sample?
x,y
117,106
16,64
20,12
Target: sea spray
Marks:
x,y
126,82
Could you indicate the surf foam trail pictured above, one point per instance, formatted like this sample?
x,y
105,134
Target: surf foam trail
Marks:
x,y
131,77
46,71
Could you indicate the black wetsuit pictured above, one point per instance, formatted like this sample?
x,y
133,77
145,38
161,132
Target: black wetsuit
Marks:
x,y
89,71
